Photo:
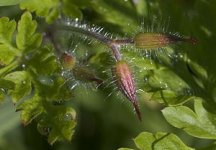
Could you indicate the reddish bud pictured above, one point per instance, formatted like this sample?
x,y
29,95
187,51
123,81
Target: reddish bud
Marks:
x,y
68,61
158,40
126,83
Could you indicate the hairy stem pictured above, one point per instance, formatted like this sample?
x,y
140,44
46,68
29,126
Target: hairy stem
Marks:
x,y
114,45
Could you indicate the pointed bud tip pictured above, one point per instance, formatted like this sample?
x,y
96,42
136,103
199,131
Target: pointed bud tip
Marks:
x,y
137,110
192,40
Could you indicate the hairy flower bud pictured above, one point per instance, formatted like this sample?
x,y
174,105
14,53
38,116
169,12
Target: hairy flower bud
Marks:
x,y
126,84
68,61
158,40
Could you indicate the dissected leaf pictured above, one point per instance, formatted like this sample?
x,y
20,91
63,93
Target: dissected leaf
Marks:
x,y
26,38
199,123
30,109
7,51
44,62
49,9
22,82
58,124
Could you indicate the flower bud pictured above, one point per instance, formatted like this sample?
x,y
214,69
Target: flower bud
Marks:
x,y
126,84
158,40
68,61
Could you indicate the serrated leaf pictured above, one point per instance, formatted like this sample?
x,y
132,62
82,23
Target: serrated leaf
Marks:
x,y
58,124
200,123
30,109
10,2
49,9
22,85
7,29
159,141
26,38
7,51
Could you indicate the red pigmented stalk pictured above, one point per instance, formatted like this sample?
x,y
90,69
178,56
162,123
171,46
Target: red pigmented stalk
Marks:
x,y
126,84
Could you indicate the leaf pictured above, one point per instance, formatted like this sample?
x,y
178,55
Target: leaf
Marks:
x,y
144,140
7,51
26,38
167,87
120,13
58,124
159,141
71,10
6,84
44,62
10,2
198,70
30,109
22,82
125,149
49,9
200,123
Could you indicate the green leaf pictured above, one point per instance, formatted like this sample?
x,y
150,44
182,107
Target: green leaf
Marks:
x,y
125,149
22,82
26,38
144,140
44,62
7,51
167,87
120,13
30,109
198,70
200,123
6,84
7,29
44,8
58,124
71,10
159,141
10,2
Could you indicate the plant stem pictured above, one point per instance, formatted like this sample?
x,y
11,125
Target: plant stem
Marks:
x,y
114,45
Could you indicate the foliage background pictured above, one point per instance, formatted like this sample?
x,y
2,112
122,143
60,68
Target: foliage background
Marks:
x,y
110,124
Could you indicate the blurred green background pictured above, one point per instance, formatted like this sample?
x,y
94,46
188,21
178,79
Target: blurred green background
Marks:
x,y
108,123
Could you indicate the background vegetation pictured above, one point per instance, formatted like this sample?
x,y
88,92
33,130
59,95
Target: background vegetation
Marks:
x,y
176,85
